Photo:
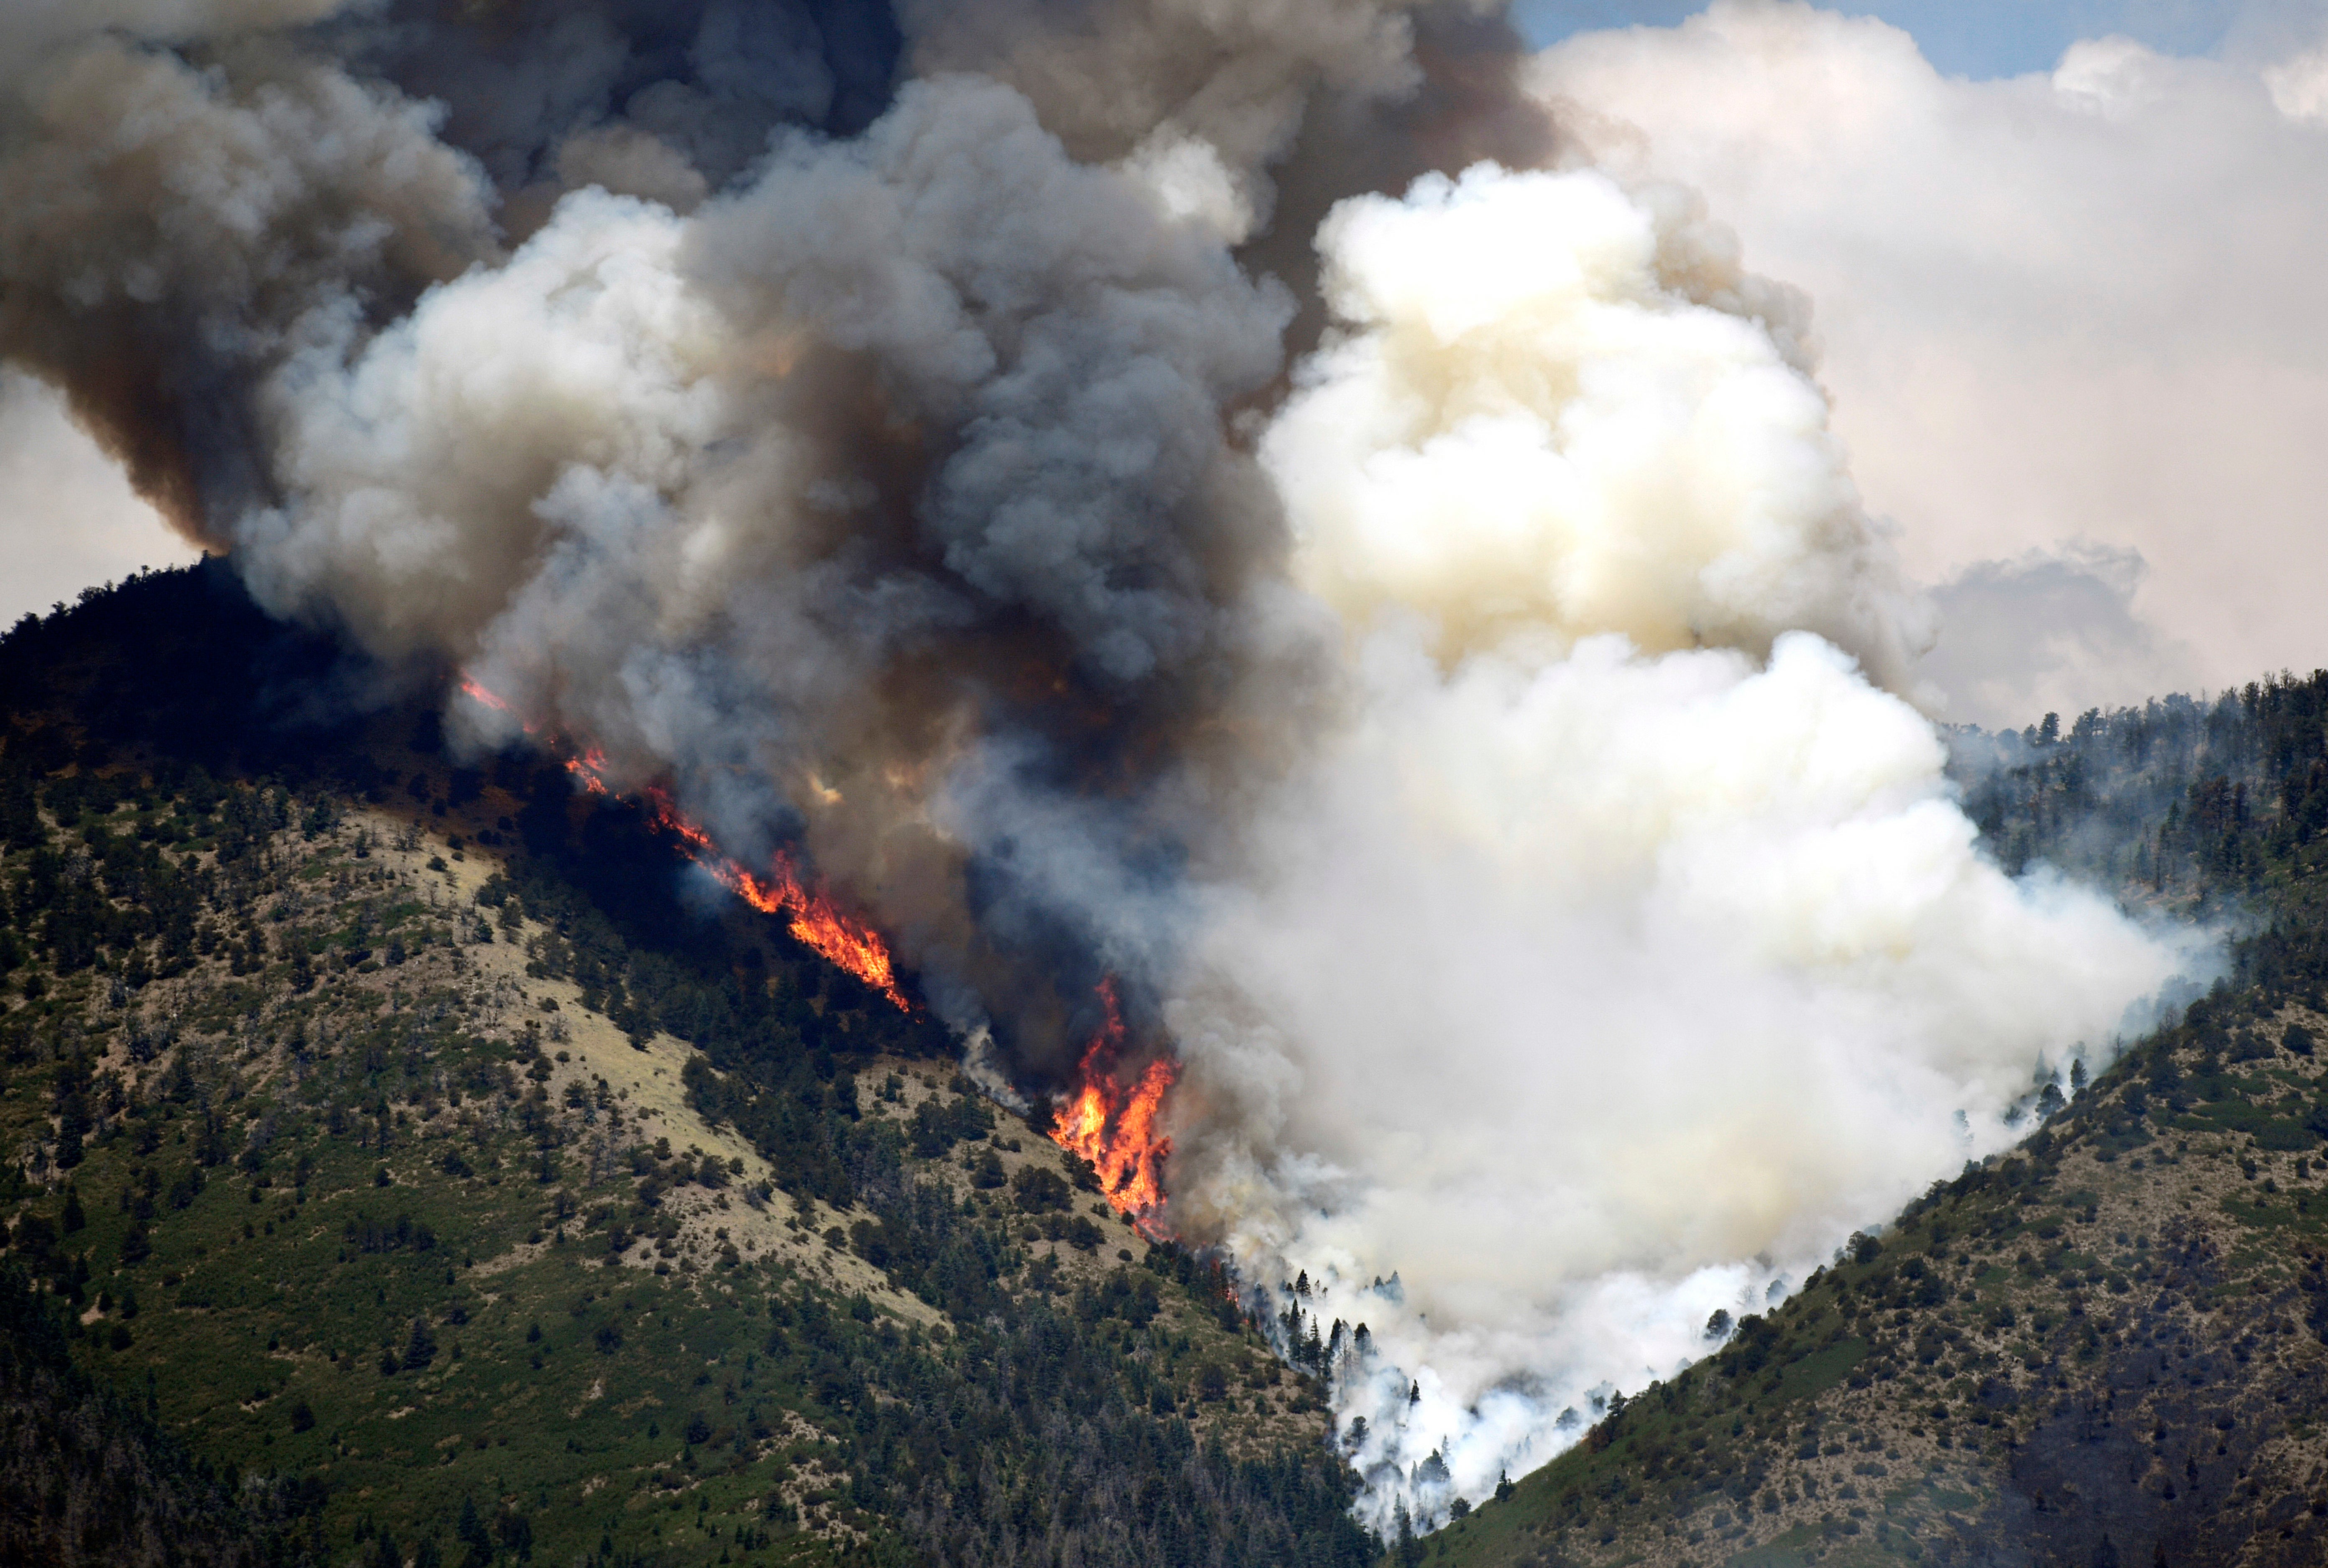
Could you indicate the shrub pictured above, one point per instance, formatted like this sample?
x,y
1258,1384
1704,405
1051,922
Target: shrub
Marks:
x,y
1037,1190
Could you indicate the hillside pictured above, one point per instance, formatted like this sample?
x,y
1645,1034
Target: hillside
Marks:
x,y
87,1476
408,1167
407,1141
2109,1347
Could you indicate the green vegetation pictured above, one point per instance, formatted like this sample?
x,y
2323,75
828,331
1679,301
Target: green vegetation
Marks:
x,y
2109,1347
393,1133
398,1170
86,1475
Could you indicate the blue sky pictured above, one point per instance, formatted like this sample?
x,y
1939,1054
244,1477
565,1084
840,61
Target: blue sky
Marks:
x,y
1974,38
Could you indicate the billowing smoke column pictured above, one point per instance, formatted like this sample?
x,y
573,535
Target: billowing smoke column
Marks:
x,y
1618,947
1191,524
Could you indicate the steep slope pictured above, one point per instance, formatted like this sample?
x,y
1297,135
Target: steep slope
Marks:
x,y
2110,1347
86,1477
458,1187
2115,1336
435,1156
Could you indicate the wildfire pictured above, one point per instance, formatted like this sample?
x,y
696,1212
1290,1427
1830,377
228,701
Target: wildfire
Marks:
x,y
815,919
483,696
1115,1128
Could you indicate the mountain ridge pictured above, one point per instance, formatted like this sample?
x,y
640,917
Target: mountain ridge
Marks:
x,y
344,1098
400,1117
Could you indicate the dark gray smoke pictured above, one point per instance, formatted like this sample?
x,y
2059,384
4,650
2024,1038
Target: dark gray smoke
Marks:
x,y
828,407
174,218
667,100
1151,488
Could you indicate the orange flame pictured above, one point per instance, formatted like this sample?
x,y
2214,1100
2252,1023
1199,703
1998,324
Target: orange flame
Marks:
x,y
815,919
1115,1129
590,768
484,696
475,692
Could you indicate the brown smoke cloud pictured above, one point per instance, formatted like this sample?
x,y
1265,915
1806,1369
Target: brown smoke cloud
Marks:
x,y
172,220
1163,488
860,425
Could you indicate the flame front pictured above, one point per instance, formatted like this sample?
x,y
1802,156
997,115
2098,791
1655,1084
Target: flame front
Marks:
x,y
1115,1129
1111,1127
815,919
484,696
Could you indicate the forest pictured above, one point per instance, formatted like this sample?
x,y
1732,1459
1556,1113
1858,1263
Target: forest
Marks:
x,y
2109,1346
402,1166
402,1170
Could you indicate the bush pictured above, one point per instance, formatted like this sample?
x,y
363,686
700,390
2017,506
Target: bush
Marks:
x,y
1036,1190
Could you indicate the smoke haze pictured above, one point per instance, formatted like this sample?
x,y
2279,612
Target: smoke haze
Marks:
x,y
1133,494
2068,309
2053,632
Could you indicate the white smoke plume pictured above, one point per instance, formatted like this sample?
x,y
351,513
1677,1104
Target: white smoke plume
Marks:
x,y
1621,950
1566,410
2062,309
1478,748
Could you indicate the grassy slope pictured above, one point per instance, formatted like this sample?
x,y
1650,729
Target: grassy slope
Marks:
x,y
88,1476
438,1129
